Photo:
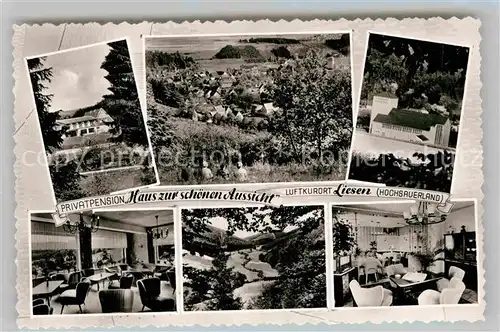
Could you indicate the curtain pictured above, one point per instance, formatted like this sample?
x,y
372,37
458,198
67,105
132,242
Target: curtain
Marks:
x,y
109,239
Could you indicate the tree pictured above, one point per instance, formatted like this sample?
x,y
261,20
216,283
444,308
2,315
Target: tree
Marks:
x,y
123,103
228,52
342,234
418,58
315,107
64,174
214,287
66,181
281,52
40,77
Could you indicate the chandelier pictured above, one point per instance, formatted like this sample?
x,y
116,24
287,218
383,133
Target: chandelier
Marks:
x,y
423,213
82,225
158,232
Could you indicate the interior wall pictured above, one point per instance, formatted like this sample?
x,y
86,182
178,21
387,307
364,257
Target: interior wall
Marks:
x,y
140,247
456,219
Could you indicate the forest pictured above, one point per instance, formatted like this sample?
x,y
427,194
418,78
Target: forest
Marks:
x,y
421,74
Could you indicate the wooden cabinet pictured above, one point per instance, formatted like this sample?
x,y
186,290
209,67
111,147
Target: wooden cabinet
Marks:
x,y
460,251
342,293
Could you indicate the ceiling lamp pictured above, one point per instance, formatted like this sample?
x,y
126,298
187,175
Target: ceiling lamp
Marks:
x,y
82,225
423,213
158,232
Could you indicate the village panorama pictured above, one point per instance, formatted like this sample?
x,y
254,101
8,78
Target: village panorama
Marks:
x,y
232,109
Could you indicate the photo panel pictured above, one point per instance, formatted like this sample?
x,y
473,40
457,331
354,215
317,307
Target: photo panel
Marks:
x,y
408,120
404,254
101,262
92,125
249,108
254,258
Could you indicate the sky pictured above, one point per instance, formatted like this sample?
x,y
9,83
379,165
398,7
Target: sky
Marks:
x,y
78,81
221,223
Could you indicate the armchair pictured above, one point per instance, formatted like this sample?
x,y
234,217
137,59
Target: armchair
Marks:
x,y
75,296
453,272
150,292
125,282
370,297
72,281
449,295
116,300
41,307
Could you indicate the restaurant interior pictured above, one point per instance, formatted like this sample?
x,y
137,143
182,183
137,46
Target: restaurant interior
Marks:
x,y
390,254
103,262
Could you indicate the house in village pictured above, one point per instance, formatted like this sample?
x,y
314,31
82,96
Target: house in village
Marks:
x,y
91,122
264,110
226,80
213,94
416,126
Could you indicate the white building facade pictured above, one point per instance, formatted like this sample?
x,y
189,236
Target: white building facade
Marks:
x,y
93,122
416,126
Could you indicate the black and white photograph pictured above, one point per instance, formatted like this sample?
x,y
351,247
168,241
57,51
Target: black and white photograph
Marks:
x,y
254,258
408,121
249,108
92,125
403,254
103,262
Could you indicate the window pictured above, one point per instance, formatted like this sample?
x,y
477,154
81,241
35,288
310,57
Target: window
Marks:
x,y
52,250
91,130
83,132
165,254
108,248
164,248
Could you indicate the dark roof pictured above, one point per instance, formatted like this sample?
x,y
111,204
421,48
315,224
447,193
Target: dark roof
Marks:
x,y
411,119
422,138
386,94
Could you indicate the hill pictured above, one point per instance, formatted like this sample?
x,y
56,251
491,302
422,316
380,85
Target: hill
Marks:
x,y
237,52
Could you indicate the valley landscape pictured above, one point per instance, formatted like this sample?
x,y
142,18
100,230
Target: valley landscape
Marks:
x,y
247,263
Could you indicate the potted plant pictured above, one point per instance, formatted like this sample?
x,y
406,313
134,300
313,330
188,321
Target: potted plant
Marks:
x,y
343,239
425,259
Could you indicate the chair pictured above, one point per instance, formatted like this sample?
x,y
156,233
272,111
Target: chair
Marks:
x,y
125,282
72,281
41,307
370,266
116,300
123,267
171,279
88,272
150,292
453,272
449,295
370,297
75,296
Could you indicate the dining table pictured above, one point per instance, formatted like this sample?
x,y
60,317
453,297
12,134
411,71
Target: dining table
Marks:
x,y
100,277
46,289
404,288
